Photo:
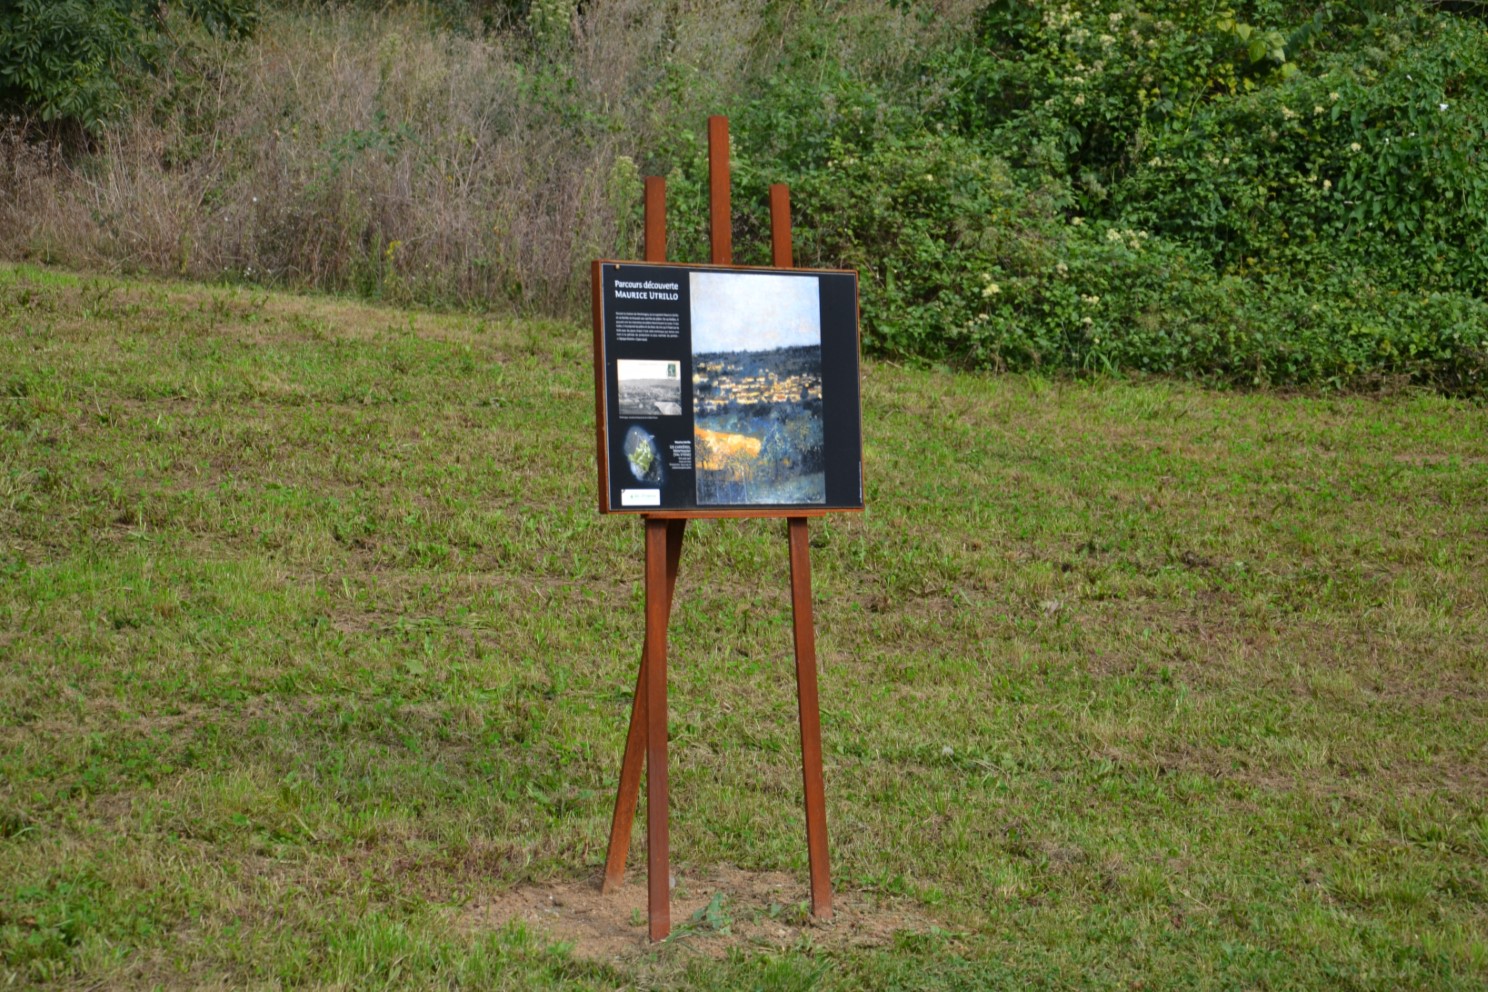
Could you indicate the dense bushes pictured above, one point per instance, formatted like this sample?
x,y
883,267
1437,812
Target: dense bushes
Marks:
x,y
68,63
1276,193
1282,192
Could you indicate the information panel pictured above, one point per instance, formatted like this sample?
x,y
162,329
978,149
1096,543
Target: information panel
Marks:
x,y
723,389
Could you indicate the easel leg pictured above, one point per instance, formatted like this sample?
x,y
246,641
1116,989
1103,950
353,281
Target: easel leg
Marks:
x,y
810,714
635,738
630,785
658,871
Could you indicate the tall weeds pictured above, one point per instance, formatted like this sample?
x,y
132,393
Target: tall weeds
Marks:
x,y
388,154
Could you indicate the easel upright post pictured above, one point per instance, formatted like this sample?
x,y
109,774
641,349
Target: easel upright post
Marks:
x,y
636,737
720,216
654,220
782,255
804,633
658,869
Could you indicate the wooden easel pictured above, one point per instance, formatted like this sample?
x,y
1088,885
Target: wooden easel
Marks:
x,y
647,736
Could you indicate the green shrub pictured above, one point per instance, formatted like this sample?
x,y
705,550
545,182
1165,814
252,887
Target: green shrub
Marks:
x,y
1264,194
1078,89
68,61
1375,161
1185,209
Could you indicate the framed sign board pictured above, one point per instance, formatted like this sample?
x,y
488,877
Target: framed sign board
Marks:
x,y
726,390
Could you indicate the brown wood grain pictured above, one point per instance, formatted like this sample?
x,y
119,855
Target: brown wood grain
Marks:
x,y
658,870
601,441
781,253
655,246
632,762
803,627
720,217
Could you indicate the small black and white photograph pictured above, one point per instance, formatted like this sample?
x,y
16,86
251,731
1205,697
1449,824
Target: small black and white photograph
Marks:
x,y
649,388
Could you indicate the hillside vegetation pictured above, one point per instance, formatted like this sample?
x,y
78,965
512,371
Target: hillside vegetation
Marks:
x,y
314,655
1263,192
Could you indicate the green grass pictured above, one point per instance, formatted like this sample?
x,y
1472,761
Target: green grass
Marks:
x,y
311,637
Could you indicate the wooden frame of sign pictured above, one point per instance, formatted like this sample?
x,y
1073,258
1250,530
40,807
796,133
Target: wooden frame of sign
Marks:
x,y
678,444
727,390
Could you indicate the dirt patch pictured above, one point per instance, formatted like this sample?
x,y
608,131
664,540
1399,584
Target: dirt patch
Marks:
x,y
713,913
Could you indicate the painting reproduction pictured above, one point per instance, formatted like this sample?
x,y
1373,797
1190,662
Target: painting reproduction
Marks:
x,y
757,388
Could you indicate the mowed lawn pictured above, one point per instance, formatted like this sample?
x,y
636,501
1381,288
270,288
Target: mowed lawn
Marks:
x,y
311,640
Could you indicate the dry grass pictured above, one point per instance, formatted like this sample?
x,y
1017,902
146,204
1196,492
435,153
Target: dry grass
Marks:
x,y
374,152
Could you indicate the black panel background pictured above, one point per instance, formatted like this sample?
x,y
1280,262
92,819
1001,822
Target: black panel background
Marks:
x,y
842,431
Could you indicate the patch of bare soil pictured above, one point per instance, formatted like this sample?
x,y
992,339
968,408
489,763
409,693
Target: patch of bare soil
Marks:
x,y
712,913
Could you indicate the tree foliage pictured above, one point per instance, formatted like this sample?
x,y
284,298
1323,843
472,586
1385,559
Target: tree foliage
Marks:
x,y
69,62
1260,192
1245,191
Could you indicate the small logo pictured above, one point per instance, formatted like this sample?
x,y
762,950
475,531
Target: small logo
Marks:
x,y
640,497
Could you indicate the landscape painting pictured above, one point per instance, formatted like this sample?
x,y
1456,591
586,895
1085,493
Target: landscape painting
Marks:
x,y
757,396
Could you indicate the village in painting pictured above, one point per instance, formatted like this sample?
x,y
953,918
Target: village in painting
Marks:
x,y
757,389
758,426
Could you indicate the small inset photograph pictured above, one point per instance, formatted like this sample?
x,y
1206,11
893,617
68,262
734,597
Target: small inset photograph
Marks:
x,y
649,388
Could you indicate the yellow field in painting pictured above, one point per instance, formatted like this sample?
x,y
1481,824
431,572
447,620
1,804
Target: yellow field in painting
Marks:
x,y
718,451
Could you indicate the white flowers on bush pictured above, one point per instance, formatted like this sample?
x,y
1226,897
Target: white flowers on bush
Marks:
x,y
1131,239
1061,17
